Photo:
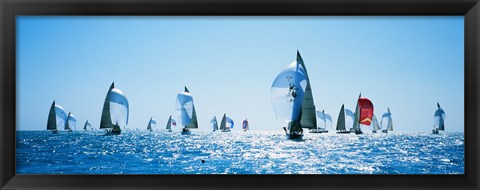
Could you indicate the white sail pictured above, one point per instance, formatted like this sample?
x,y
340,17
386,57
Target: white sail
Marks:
x,y
71,122
350,119
439,119
289,83
229,123
87,125
57,117
321,120
151,124
184,106
328,120
386,122
375,125
118,107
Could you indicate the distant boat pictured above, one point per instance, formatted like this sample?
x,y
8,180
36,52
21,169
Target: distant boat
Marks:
x,y
363,114
323,117
115,111
387,123
151,124
226,124
350,120
439,120
245,125
170,122
87,125
214,124
292,99
71,122
186,111
375,125
57,118
341,121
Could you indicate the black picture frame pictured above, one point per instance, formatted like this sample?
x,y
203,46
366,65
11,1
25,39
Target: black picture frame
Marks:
x,y
9,9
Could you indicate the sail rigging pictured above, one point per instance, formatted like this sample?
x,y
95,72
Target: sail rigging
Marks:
x,y
186,110
57,117
115,109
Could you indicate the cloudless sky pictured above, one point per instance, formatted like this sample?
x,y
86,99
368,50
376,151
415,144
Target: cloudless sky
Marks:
x,y
405,63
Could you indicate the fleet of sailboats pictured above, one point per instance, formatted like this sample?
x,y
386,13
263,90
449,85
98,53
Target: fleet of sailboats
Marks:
x,y
292,101
186,111
115,111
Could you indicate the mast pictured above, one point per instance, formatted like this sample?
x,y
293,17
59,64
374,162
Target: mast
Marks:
x,y
308,117
356,122
341,119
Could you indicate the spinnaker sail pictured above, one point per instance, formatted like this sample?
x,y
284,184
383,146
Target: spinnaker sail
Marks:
x,y
87,125
71,122
387,123
363,114
439,119
245,125
186,110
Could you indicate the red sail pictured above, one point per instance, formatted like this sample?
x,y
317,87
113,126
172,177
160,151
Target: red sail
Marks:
x,y
366,111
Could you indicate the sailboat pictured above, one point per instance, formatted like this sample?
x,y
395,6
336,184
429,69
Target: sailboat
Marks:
x,y
71,122
323,117
245,125
151,124
226,124
186,111
341,123
115,111
170,122
57,118
292,99
375,125
439,120
87,125
363,114
214,124
387,123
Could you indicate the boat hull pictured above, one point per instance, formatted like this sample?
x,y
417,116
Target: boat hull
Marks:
x,y
435,132
343,132
384,131
358,132
294,136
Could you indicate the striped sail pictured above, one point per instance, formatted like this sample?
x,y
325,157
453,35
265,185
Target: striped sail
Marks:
x,y
71,122
439,119
151,124
214,124
87,125
57,117
386,122
186,110
115,109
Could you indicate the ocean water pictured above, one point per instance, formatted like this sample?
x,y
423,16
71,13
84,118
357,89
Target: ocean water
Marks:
x,y
253,152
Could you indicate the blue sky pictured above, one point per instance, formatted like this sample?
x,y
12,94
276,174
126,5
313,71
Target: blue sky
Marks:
x,y
229,64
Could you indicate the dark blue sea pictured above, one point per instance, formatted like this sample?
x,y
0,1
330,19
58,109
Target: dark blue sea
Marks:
x,y
252,152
